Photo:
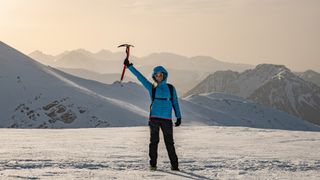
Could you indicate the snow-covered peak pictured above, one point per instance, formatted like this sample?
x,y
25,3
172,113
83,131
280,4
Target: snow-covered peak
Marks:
x,y
34,95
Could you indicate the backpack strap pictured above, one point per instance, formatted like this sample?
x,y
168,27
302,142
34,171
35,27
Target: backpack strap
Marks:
x,y
153,94
171,96
171,92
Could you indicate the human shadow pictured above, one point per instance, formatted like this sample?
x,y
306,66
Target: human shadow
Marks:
x,y
186,174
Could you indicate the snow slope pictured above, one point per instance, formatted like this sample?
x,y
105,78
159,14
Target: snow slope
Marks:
x,y
205,152
229,110
32,95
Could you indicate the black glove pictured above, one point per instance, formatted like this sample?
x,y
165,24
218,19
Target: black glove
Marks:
x,y
127,63
178,122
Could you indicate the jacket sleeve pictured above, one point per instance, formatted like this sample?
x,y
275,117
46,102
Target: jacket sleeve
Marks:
x,y
147,84
176,104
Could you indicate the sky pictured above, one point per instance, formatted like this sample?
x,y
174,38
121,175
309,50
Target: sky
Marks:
x,y
240,31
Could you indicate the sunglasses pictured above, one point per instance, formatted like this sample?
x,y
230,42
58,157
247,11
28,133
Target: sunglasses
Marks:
x,y
159,75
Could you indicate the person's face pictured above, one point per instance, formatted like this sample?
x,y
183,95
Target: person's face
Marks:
x,y
159,77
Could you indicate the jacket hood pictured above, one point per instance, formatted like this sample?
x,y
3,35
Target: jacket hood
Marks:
x,y
160,69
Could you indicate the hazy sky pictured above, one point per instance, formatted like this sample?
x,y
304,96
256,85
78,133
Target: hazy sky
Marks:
x,y
242,31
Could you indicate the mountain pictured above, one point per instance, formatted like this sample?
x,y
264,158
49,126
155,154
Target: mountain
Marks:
x,y
240,84
292,94
82,59
217,82
34,96
101,62
311,76
272,85
185,72
42,57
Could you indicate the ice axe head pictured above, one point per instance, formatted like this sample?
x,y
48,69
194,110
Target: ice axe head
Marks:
x,y
127,48
126,45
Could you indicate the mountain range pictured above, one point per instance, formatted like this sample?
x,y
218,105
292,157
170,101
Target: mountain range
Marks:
x,y
268,84
184,72
37,96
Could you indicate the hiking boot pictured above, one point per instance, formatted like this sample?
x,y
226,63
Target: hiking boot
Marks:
x,y
153,168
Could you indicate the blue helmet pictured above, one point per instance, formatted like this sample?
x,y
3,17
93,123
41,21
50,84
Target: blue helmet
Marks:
x,y
160,69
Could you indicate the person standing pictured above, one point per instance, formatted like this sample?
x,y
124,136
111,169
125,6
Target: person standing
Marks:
x,y
163,98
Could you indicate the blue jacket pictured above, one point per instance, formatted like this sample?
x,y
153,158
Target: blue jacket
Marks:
x,y
160,108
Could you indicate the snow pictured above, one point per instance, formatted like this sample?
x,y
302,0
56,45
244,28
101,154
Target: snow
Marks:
x,y
230,110
205,152
28,86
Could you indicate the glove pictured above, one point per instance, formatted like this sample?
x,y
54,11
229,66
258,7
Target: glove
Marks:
x,y
127,63
178,122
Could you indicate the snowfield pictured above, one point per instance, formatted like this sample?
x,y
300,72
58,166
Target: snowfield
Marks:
x,y
205,152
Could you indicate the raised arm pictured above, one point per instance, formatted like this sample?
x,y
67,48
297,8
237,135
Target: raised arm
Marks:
x,y
147,84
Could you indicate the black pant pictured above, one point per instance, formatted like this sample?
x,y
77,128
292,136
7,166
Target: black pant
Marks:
x,y
166,126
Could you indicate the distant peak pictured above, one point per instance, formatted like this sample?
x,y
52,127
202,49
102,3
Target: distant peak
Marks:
x,y
272,66
103,51
310,71
38,52
81,50
166,54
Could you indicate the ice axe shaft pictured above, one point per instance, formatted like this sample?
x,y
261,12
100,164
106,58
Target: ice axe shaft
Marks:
x,y
123,71
127,57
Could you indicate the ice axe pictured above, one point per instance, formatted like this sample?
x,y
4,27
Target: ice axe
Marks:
x,y
128,54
